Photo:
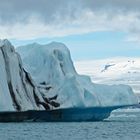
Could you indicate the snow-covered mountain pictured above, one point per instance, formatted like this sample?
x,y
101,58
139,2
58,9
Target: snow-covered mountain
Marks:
x,y
113,71
52,68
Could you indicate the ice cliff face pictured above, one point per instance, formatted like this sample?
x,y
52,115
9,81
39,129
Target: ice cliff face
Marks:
x,y
52,69
49,63
17,90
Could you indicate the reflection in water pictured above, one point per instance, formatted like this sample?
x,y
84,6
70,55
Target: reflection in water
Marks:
x,y
121,125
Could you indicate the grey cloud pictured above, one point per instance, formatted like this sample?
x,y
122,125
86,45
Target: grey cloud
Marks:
x,y
12,11
20,10
64,17
118,4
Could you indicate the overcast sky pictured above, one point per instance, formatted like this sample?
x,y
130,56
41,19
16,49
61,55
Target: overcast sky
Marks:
x,y
24,21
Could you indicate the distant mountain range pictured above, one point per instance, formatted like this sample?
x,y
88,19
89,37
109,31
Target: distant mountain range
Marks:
x,y
123,70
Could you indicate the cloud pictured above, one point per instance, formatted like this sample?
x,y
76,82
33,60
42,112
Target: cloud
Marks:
x,y
30,19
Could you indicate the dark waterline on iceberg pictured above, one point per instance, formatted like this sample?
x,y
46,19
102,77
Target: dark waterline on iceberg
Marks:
x,y
121,125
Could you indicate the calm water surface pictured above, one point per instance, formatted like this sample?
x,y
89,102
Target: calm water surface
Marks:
x,y
120,126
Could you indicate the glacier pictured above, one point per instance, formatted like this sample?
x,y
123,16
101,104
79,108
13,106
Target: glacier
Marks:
x,y
116,70
52,69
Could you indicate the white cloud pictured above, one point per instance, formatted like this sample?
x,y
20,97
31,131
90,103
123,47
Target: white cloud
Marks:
x,y
49,19
87,21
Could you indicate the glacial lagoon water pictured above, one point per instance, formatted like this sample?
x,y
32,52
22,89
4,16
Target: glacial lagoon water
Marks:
x,y
122,125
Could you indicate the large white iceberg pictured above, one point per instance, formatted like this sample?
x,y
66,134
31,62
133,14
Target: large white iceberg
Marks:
x,y
52,69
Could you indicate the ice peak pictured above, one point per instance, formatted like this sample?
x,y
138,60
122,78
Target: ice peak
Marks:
x,y
56,44
4,42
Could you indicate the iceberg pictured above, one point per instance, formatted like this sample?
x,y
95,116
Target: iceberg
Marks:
x,y
46,87
52,69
